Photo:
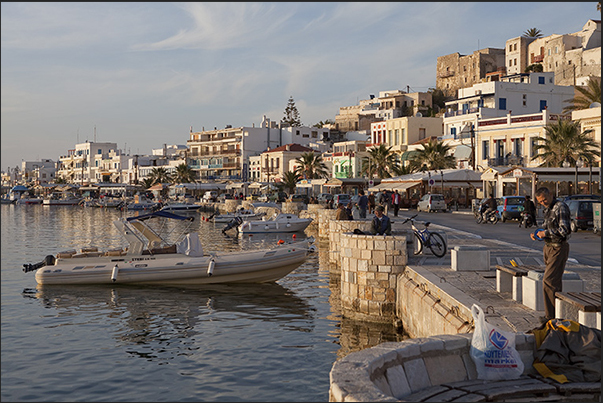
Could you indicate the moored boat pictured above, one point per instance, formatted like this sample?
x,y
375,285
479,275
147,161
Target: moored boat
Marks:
x,y
279,222
62,199
150,259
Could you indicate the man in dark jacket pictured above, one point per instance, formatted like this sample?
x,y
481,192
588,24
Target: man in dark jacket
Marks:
x,y
362,203
530,208
556,232
381,224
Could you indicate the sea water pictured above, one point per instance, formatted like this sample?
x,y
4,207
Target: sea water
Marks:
x,y
258,342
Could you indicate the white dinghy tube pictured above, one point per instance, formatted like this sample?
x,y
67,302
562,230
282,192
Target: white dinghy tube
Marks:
x,y
114,273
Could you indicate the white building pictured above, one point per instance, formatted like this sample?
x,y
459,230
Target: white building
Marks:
x,y
79,166
519,94
223,154
38,172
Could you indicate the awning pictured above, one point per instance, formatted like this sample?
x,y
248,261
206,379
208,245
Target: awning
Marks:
x,y
159,186
399,186
256,185
462,152
238,185
335,182
489,176
408,155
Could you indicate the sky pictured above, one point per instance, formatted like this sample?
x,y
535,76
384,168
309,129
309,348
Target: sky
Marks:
x,y
142,74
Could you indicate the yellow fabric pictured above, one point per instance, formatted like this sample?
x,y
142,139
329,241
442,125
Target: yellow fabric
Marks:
x,y
539,336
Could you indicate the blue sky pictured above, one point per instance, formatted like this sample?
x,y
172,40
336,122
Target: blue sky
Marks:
x,y
144,73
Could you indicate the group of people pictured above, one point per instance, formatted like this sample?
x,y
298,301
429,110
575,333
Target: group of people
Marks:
x,y
380,224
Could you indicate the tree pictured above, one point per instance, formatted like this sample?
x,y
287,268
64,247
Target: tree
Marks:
x,y
536,68
589,94
290,180
562,142
311,166
184,174
533,33
291,114
433,155
147,182
160,175
381,162
322,124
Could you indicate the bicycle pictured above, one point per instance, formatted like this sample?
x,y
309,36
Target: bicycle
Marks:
x,y
434,241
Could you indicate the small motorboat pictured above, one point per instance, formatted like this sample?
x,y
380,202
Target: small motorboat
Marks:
x,y
176,207
151,259
279,222
242,213
62,199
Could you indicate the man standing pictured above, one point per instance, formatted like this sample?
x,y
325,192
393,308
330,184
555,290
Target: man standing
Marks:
x,y
362,203
556,232
381,224
341,213
396,202
371,201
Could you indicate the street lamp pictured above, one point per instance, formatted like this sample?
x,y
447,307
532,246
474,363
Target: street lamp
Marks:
x,y
579,164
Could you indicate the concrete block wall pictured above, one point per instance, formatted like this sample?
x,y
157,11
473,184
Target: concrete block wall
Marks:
x,y
292,207
370,265
313,211
324,217
427,306
390,371
336,229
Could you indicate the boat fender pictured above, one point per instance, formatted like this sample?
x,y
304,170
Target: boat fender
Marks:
x,y
266,228
210,267
288,225
114,273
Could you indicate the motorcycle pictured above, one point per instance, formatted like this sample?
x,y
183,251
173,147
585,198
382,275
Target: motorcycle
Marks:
x,y
526,220
491,217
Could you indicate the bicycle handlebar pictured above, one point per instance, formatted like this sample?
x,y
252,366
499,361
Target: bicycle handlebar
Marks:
x,y
410,219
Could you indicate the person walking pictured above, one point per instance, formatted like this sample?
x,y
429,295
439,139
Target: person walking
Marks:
x,y
556,232
362,204
396,202
371,203
529,208
381,224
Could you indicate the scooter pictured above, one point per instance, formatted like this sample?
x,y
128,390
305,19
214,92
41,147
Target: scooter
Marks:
x,y
526,220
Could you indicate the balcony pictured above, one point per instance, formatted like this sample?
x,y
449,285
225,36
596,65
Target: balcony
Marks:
x,y
446,74
512,160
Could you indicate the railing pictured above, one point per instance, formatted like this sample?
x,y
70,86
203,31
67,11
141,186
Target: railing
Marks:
x,y
505,161
461,112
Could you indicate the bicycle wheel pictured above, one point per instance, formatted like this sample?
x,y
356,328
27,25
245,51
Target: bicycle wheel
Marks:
x,y
437,244
418,247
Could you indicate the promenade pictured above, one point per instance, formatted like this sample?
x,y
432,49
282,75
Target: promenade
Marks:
x,y
480,286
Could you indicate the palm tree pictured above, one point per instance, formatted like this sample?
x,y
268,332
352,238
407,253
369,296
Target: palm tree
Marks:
x,y
563,142
589,94
290,180
184,174
533,33
311,166
381,162
433,155
147,182
160,175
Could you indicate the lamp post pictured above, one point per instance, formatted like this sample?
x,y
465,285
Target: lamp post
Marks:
x,y
566,164
579,164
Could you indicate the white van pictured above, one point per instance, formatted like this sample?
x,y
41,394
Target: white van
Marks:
x,y
210,196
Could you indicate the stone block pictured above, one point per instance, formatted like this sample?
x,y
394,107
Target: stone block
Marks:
x,y
470,258
533,295
416,374
506,282
445,369
398,383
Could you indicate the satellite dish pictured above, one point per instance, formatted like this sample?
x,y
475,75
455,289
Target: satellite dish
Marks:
x,y
419,115
595,105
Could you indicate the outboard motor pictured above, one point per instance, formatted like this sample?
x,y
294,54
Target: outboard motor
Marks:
x,y
48,261
235,222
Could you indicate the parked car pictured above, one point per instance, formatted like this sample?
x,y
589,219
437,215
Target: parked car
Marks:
x,y
297,198
264,198
581,213
583,197
323,198
432,202
279,197
210,196
510,207
342,198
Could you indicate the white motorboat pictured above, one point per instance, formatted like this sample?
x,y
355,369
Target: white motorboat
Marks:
x,y
279,222
27,199
62,199
150,259
241,213
176,206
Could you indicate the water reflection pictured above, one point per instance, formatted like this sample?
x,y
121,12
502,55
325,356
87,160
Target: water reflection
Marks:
x,y
153,317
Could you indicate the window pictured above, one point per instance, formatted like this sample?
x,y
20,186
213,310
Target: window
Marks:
x,y
514,46
533,143
421,134
453,131
525,100
514,62
485,149
502,104
518,147
542,105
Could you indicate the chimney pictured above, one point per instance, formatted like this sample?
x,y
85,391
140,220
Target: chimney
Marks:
x,y
288,147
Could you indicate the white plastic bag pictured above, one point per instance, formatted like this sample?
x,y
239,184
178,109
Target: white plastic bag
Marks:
x,y
493,350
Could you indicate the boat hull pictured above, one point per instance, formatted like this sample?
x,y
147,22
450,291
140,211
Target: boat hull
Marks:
x,y
266,227
177,269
